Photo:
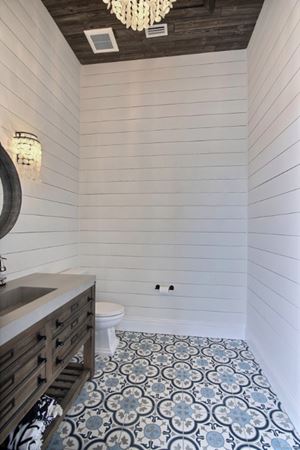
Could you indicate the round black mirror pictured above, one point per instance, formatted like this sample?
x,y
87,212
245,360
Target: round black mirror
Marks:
x,y
10,193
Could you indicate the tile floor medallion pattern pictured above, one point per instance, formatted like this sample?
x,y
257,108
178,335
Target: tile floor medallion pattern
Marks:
x,y
169,392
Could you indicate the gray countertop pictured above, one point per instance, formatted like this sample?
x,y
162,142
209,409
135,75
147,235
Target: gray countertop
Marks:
x,y
66,287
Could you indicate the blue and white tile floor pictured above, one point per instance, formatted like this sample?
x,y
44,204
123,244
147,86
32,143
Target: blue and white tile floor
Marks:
x,y
169,392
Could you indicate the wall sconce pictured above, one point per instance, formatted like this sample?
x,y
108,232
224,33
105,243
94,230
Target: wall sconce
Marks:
x,y
27,152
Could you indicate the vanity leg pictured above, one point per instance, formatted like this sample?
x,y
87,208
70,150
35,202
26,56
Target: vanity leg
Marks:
x,y
89,346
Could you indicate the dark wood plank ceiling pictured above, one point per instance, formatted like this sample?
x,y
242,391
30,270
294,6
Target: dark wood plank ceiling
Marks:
x,y
193,28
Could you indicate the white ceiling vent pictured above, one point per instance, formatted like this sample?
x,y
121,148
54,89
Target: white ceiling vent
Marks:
x,y
160,29
102,40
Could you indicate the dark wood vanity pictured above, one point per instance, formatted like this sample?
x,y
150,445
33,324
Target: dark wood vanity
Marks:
x,y
38,361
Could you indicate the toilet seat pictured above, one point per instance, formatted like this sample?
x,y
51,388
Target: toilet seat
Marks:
x,y
105,309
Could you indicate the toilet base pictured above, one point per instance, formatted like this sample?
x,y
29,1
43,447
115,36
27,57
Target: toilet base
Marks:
x,y
106,341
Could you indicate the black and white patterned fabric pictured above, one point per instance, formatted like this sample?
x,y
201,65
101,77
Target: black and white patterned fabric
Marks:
x,y
29,433
27,436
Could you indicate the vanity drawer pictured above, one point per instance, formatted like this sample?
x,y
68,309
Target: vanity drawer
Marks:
x,y
74,322
19,371
32,341
64,353
22,394
65,314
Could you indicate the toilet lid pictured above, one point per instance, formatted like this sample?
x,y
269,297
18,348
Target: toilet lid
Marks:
x,y
108,309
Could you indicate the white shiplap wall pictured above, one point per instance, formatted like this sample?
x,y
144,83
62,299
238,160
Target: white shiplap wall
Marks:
x,y
39,93
274,197
164,189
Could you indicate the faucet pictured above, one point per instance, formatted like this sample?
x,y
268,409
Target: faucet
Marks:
x,y
2,272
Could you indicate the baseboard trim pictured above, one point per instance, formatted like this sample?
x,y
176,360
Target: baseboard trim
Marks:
x,y
181,327
275,381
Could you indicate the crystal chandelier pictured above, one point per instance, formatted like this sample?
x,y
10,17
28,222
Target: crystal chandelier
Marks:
x,y
139,14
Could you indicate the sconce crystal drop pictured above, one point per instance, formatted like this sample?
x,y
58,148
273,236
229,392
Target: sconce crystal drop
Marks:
x,y
27,152
139,14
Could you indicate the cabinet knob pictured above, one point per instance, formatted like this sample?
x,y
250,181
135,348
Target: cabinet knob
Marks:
x,y
89,299
41,360
59,360
59,343
41,380
58,323
89,327
41,337
90,314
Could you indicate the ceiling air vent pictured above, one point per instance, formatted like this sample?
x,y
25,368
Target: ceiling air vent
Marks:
x,y
161,29
102,40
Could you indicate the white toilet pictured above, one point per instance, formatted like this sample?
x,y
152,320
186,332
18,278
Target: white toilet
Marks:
x,y
108,316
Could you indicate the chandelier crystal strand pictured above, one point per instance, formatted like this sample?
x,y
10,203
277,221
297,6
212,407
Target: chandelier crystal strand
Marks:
x,y
139,14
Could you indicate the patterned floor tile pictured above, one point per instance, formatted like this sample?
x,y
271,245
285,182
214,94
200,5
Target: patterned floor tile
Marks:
x,y
170,392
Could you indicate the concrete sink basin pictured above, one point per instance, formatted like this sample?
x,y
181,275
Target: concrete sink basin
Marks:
x,y
20,296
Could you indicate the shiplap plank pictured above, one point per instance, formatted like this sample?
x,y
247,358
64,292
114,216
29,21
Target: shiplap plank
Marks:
x,y
165,276
193,264
167,62
209,82
160,74
281,204
163,186
21,261
21,242
166,225
172,110
275,166
44,207
214,319
182,98
31,223
283,245
164,212
285,182
167,135
166,238
164,251
138,300
164,173
286,224
53,266
209,147
232,293
161,123
162,199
